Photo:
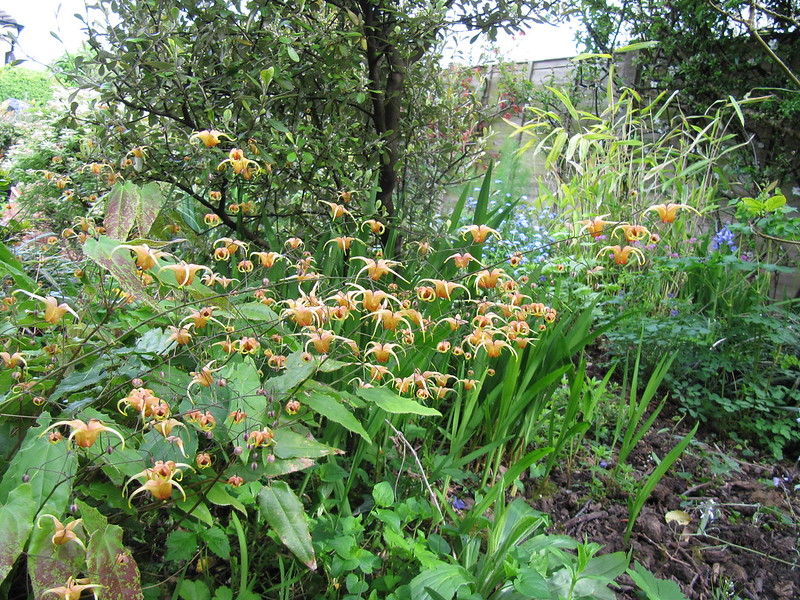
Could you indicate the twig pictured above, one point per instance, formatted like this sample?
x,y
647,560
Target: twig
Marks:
x,y
403,439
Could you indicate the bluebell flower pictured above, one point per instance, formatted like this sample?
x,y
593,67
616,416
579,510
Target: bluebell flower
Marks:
x,y
724,237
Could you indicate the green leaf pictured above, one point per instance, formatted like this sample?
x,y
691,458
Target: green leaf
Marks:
x,y
217,542
218,494
654,588
444,581
181,545
256,311
608,566
392,403
284,513
531,584
335,411
50,467
113,564
292,54
194,590
383,494
636,46
224,593
198,510
774,203
93,519
289,444
266,76
16,522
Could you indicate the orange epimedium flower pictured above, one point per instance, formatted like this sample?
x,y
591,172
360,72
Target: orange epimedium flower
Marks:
x,y
444,288
382,351
180,335
633,233
231,245
377,268
258,439
209,137
141,400
267,259
63,533
321,338
73,589
621,255
11,361
146,257
344,242
337,210
488,279
159,480
85,434
390,319
294,243
211,219
669,212
53,311
247,345
479,233
595,225
203,460
203,377
241,165
185,272
200,318
166,426
210,279
375,227
461,260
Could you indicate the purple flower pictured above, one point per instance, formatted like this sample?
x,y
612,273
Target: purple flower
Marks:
x,y
603,464
673,313
459,504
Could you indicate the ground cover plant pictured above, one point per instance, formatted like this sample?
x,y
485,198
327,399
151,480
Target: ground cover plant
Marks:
x,y
206,394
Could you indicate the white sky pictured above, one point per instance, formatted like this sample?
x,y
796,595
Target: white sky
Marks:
x,y
40,17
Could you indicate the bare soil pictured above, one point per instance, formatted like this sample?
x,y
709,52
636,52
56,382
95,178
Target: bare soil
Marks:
x,y
748,547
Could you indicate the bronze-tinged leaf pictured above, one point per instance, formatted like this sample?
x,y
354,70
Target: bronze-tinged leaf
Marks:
x,y
151,200
113,566
49,565
121,206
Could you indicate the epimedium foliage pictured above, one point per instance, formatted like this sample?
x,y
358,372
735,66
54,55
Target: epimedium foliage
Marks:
x,y
330,97
151,388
